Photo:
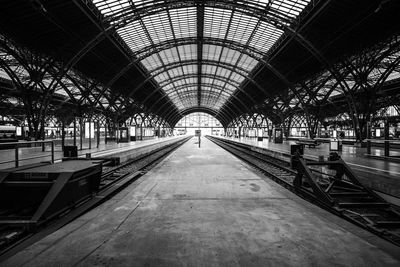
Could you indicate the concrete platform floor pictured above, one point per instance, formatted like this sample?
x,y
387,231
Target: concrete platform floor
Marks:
x,y
204,207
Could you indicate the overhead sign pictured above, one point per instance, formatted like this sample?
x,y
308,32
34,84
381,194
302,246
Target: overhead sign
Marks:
x,y
197,132
19,131
132,131
89,129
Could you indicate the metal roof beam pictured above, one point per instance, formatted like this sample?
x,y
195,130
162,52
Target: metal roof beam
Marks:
x,y
200,33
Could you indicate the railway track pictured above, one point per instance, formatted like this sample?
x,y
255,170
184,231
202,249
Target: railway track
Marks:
x,y
13,238
330,184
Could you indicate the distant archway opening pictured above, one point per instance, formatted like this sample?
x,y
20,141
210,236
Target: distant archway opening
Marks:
x,y
205,122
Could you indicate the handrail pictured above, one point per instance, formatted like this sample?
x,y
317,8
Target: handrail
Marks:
x,y
28,142
20,144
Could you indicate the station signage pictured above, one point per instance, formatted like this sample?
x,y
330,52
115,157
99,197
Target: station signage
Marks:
x,y
19,131
89,129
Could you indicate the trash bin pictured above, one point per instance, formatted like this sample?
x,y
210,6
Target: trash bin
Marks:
x,y
335,145
71,151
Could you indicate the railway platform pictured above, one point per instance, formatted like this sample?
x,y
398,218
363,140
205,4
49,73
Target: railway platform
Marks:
x,y
29,155
205,207
380,175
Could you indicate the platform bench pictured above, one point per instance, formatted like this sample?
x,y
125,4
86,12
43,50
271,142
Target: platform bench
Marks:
x,y
308,142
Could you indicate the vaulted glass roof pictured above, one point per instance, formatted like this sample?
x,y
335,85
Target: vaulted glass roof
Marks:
x,y
200,52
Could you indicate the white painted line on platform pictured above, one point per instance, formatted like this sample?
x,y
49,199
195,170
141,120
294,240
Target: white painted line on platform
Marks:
x,y
375,169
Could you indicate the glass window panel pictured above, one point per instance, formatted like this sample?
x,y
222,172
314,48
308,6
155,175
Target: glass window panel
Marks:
x,y
134,36
247,63
208,69
111,7
265,36
211,52
216,22
188,52
181,80
241,28
291,8
158,27
190,69
152,62
184,22
169,55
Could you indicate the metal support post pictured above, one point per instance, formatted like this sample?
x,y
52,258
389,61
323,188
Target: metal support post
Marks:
x,y
74,131
42,133
16,157
81,132
90,134
369,137
98,134
387,144
52,152
117,135
105,133
62,135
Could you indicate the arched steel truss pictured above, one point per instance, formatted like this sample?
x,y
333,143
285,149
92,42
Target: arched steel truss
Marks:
x,y
337,84
265,13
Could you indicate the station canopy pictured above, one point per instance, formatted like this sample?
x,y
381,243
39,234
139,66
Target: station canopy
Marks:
x,y
228,58
200,55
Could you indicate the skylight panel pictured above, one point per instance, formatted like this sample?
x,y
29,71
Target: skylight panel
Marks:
x,y
208,69
175,68
237,78
184,22
230,88
152,62
218,83
211,52
247,63
158,27
291,8
175,72
134,36
241,28
168,87
189,69
179,78
161,77
206,80
230,56
113,7
110,7
265,36
169,55
216,22
185,89
178,83
223,72
188,52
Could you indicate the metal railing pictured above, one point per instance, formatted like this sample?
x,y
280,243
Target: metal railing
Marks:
x,y
17,145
